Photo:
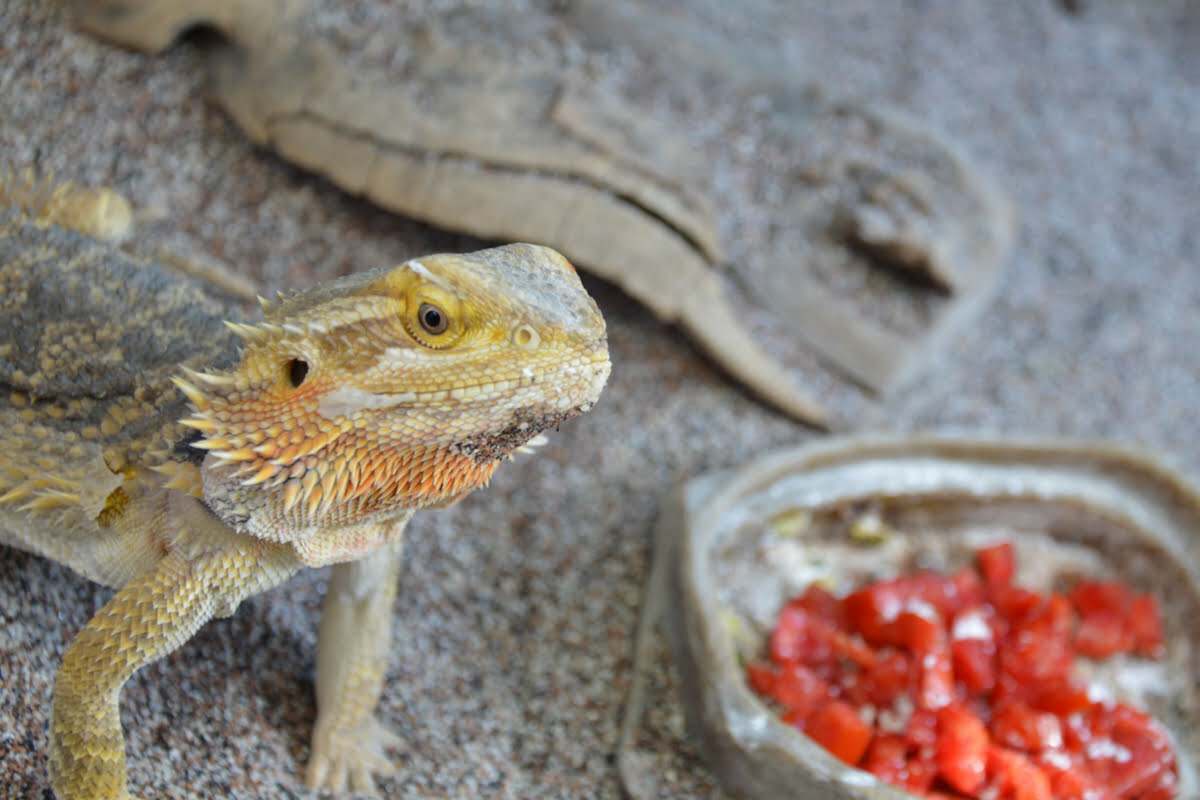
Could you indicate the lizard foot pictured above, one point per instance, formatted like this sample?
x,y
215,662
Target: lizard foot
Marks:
x,y
352,757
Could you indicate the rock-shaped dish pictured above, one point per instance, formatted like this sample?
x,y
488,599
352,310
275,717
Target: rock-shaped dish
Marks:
x,y
735,546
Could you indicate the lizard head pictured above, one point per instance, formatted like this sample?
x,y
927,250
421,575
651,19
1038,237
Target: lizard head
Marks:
x,y
362,400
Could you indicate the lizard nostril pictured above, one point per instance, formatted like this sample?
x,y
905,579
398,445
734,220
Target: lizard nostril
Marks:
x,y
297,371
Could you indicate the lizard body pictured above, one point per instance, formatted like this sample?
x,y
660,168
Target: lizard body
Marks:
x,y
192,463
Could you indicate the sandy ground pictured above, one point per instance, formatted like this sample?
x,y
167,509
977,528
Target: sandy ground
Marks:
x,y
515,622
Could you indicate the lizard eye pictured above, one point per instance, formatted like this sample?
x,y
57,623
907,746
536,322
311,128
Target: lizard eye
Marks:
x,y
435,318
432,319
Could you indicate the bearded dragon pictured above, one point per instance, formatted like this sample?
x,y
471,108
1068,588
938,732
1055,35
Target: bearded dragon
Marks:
x,y
191,462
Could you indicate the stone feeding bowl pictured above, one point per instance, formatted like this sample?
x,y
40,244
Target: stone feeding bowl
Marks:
x,y
735,546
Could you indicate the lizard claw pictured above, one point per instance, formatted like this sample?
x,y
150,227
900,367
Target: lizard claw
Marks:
x,y
352,757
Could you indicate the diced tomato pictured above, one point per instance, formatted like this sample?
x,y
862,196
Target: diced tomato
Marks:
x,y
1128,750
935,590
962,747
1121,720
800,690
761,677
936,683
1060,698
839,729
853,648
887,758
1088,597
968,588
1134,775
1009,690
796,719
1070,778
973,649
871,610
1145,625
921,775
997,564
974,663
978,673
1022,728
921,733
1167,787
799,637
1037,648
821,602
893,676
1014,603
1015,776
1077,732
919,632
1102,634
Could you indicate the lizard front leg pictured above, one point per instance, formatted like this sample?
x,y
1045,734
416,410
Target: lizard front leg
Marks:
x,y
349,744
150,617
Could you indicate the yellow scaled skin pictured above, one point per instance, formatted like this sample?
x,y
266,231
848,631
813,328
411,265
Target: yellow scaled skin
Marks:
x,y
128,453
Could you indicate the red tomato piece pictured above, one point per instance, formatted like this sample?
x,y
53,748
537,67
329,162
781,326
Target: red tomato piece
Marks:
x,y
892,677
1119,720
962,749
936,684
1022,728
1009,690
997,564
921,774
968,588
871,610
821,602
1070,778
1015,776
1128,751
800,690
974,664
1037,648
801,636
1167,787
1061,697
1134,775
798,638
887,758
1102,634
761,678
1090,596
838,728
1077,734
1145,625
921,733
922,630
973,649
852,647
933,589
1014,603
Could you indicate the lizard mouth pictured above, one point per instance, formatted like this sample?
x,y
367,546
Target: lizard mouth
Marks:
x,y
586,382
491,447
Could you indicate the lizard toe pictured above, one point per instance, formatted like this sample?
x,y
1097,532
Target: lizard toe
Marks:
x,y
352,758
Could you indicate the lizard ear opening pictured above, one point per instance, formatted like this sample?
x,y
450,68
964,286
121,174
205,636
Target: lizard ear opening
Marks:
x,y
297,371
